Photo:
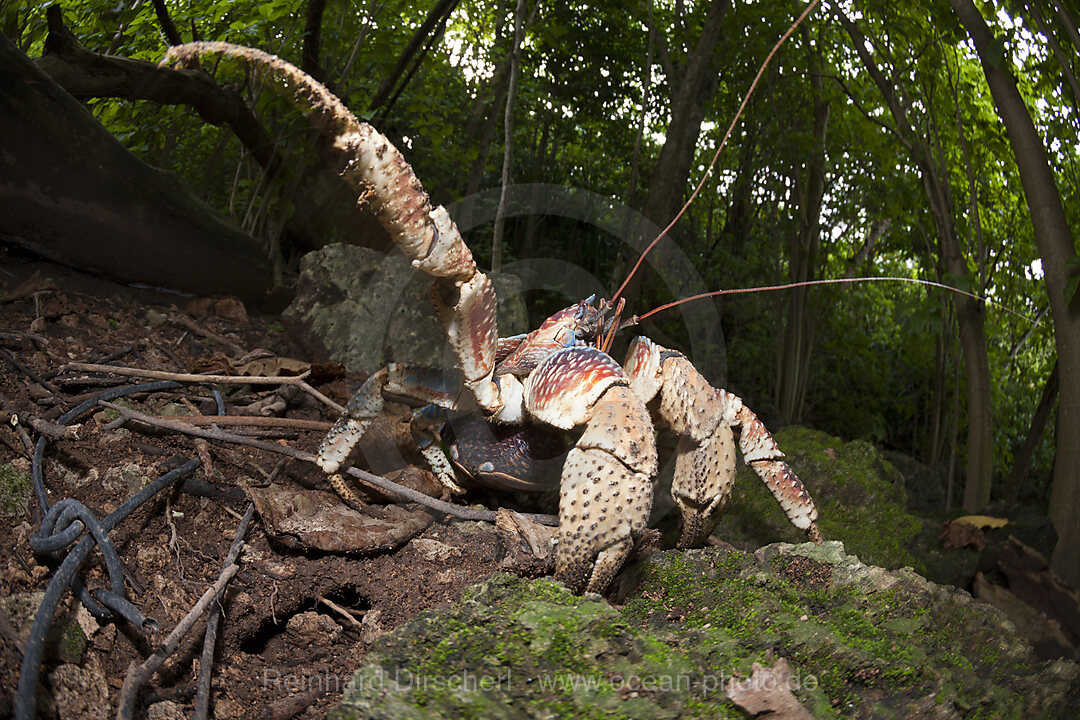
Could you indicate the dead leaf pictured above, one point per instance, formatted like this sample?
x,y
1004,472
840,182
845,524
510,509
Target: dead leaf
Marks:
x,y
223,306
957,535
767,693
298,517
831,453
274,367
528,544
982,521
33,284
216,365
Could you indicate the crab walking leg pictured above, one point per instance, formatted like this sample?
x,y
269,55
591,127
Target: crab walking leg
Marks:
x,y
426,235
702,417
761,452
606,491
433,386
363,407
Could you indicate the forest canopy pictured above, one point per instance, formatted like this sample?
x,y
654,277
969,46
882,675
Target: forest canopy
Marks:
x,y
875,144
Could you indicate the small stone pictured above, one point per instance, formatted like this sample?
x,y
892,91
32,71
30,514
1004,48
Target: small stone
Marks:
x,y
80,692
312,628
165,710
434,550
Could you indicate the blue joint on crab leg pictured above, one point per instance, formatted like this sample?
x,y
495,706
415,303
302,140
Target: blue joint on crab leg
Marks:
x,y
438,387
431,414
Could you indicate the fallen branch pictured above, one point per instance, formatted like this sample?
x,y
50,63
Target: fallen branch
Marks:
x,y
298,380
10,357
339,610
187,377
253,421
458,511
206,661
188,324
137,675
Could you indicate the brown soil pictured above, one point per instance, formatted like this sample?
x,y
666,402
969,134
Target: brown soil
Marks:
x,y
283,652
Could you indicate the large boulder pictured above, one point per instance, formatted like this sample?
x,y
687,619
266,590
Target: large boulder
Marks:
x,y
367,308
860,641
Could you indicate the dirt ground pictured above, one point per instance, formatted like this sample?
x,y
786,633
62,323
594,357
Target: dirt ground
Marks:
x,y
297,621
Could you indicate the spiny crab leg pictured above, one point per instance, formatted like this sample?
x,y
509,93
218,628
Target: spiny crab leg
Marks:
x,y
703,417
606,489
427,236
367,404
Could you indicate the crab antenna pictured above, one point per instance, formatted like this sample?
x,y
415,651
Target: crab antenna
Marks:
x,y
832,281
605,342
716,155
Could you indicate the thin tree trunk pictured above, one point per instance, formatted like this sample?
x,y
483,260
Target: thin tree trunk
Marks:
x,y
1039,419
932,448
970,314
1055,243
168,27
417,61
442,8
508,137
795,353
697,84
692,84
646,90
483,149
954,441
1055,47
312,40
539,165
1069,24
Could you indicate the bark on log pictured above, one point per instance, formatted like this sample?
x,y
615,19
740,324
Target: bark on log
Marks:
x,y
325,207
70,192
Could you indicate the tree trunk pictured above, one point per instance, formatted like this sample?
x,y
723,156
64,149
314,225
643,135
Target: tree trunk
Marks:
x,y
697,84
508,138
73,194
970,314
694,83
1039,419
325,208
1055,243
442,8
794,358
312,40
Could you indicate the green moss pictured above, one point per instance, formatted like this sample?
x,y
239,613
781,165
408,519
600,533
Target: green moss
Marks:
x,y
859,640
15,488
111,414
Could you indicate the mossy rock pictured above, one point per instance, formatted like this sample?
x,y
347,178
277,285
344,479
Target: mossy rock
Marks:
x,y
859,495
861,641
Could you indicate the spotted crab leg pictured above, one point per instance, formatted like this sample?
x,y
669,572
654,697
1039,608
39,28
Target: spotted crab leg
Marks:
x,y
703,418
366,404
606,489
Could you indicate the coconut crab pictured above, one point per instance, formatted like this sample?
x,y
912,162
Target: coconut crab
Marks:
x,y
558,374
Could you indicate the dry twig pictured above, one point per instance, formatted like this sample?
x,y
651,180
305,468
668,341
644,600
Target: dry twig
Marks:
x,y
137,675
339,610
253,421
298,380
189,324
